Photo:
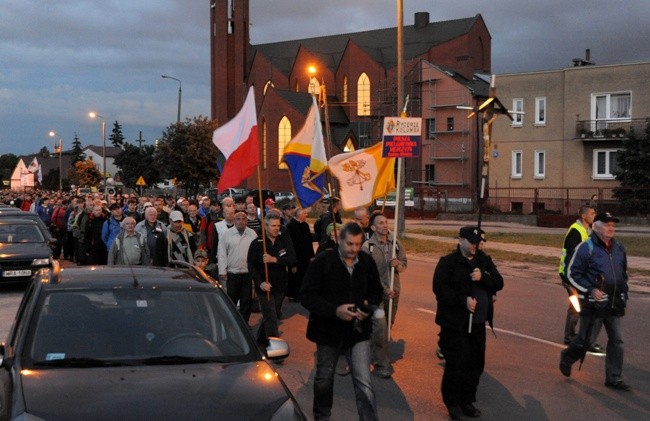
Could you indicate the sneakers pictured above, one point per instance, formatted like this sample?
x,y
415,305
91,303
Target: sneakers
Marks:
x,y
382,372
619,385
471,411
439,354
596,349
565,368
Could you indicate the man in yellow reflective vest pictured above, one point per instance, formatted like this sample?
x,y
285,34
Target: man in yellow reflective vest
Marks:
x,y
578,232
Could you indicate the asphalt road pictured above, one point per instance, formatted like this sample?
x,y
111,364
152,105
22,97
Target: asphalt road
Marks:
x,y
521,381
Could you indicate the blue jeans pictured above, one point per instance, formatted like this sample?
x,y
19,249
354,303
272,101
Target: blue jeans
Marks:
x,y
359,360
614,357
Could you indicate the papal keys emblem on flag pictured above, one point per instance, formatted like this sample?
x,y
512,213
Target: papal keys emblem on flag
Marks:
x,y
357,177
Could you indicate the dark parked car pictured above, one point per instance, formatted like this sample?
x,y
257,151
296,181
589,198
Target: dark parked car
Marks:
x,y
138,343
24,250
18,214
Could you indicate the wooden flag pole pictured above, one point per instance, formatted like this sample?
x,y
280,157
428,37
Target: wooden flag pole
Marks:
x,y
394,250
266,267
336,234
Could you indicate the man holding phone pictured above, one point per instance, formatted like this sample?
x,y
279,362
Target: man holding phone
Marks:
x,y
341,289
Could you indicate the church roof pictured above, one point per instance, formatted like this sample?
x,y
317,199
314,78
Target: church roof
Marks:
x,y
380,44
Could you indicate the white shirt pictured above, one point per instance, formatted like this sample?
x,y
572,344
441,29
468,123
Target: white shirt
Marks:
x,y
232,252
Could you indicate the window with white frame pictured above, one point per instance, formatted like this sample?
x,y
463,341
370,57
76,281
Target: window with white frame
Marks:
x,y
540,111
610,107
516,164
518,108
540,164
605,164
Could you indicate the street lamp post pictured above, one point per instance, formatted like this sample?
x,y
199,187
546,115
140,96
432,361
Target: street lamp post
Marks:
x,y
92,114
178,115
52,134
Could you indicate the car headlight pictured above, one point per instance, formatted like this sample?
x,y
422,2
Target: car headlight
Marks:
x,y
288,411
41,262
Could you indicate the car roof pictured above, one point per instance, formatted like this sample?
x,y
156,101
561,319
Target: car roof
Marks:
x,y
102,277
17,221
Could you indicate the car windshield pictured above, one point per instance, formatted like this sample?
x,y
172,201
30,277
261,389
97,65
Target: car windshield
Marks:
x,y
136,327
20,234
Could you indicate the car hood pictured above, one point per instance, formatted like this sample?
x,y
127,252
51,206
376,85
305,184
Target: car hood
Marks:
x,y
244,391
12,251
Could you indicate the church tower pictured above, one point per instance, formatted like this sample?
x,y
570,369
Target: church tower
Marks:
x,y
229,43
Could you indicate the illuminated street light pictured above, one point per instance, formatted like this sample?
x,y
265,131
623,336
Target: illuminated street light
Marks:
x,y
178,116
52,134
92,114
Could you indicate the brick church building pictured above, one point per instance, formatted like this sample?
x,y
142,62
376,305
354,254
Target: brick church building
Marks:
x,y
446,64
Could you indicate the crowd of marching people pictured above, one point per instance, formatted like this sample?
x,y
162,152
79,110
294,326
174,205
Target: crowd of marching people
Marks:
x,y
349,283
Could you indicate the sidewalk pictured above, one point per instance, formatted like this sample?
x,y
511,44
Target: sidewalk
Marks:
x,y
639,284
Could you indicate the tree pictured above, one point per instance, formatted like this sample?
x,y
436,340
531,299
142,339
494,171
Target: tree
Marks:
x,y
51,180
77,151
136,161
634,173
116,137
8,163
44,152
186,152
84,173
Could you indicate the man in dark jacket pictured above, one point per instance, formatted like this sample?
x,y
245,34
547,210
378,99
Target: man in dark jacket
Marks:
x,y
279,256
341,289
598,270
464,283
155,234
302,242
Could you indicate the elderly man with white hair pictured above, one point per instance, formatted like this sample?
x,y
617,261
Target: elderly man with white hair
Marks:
x,y
598,271
129,246
155,234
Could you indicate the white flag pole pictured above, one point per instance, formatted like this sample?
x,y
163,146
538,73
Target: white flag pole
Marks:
x,y
394,251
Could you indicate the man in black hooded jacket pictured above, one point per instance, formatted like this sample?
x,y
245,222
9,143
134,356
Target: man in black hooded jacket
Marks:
x,y
464,283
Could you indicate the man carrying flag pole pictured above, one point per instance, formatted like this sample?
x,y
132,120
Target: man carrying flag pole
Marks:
x,y
238,142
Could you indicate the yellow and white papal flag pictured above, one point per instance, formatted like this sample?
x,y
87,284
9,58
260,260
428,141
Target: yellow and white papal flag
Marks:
x,y
363,175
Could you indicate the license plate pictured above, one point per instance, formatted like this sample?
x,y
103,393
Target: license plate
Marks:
x,y
12,273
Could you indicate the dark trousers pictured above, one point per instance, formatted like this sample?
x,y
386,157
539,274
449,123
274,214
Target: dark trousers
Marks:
x,y
358,357
239,288
269,324
464,362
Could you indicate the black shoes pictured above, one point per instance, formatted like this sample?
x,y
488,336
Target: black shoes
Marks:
x,y
471,411
565,368
619,385
455,413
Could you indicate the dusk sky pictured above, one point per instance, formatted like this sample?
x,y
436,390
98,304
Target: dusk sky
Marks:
x,y
61,59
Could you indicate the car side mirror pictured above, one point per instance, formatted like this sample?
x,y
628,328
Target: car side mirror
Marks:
x,y
277,349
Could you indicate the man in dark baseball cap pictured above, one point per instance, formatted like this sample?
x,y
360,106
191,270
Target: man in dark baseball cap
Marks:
x,y
471,234
606,217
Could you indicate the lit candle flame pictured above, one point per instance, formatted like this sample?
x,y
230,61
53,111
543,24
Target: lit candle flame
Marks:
x,y
575,302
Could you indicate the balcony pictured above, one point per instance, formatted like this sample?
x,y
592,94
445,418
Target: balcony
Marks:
x,y
600,130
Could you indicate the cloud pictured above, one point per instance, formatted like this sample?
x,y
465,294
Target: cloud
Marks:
x,y
62,58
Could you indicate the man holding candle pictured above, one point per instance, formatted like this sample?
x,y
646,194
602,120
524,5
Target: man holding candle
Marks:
x,y
464,283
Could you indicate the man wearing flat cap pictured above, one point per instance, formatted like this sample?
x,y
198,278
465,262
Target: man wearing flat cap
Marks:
x,y
598,270
464,282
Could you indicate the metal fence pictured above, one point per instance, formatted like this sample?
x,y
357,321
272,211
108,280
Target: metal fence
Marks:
x,y
561,200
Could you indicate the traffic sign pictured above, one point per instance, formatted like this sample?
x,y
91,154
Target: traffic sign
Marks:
x,y
140,182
